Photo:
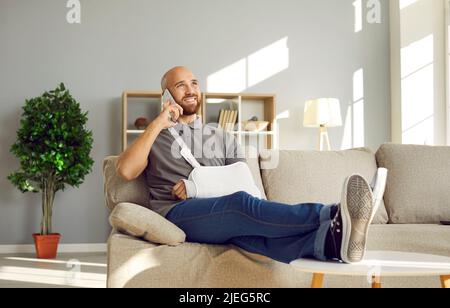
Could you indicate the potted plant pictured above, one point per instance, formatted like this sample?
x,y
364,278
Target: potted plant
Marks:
x,y
53,146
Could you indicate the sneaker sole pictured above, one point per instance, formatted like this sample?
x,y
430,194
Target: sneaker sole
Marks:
x,y
357,214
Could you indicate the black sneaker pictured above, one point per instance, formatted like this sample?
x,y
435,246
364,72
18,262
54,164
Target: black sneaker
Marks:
x,y
347,237
334,237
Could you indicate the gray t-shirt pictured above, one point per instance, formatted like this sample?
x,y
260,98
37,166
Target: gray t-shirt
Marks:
x,y
210,146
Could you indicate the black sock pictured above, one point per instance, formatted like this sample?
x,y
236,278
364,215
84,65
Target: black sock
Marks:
x,y
333,212
331,251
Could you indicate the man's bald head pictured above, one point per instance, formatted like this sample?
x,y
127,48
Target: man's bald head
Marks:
x,y
169,77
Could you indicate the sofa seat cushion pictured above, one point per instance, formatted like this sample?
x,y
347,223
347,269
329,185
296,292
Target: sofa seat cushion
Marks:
x,y
418,186
295,177
137,221
136,263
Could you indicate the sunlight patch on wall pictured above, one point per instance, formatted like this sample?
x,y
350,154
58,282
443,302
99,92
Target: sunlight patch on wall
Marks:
x,y
358,109
284,115
358,85
268,62
405,3
347,139
358,15
354,125
231,79
252,70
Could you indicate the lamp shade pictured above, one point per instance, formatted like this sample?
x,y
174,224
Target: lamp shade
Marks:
x,y
322,112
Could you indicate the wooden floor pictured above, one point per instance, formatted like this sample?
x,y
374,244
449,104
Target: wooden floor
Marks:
x,y
67,271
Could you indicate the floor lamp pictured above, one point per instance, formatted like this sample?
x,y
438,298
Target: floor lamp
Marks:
x,y
323,113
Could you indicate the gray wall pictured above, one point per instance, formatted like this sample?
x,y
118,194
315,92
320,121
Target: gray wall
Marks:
x,y
129,44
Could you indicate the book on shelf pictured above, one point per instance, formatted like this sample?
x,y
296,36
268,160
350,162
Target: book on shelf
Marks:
x,y
225,118
221,116
228,119
234,119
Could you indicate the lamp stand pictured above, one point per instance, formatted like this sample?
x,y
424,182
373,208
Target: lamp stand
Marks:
x,y
324,138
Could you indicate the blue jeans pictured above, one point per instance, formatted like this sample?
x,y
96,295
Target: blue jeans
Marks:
x,y
282,232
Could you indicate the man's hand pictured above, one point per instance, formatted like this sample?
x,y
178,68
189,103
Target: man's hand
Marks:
x,y
179,191
169,111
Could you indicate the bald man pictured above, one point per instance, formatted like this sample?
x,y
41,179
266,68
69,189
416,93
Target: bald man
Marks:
x,y
279,231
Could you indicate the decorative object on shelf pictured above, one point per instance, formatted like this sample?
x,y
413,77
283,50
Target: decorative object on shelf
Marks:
x,y
323,113
254,125
141,123
54,146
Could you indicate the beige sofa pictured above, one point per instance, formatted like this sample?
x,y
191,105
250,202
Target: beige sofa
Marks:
x,y
417,198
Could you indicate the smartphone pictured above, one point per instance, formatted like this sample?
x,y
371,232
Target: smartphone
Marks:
x,y
167,96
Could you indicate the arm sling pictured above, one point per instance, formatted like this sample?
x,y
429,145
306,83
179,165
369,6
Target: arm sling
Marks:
x,y
217,181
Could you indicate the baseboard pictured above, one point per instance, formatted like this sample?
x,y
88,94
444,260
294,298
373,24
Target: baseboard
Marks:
x,y
63,248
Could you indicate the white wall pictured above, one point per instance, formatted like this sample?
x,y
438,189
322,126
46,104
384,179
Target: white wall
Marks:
x,y
418,64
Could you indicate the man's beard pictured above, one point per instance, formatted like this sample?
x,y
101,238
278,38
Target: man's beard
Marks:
x,y
191,110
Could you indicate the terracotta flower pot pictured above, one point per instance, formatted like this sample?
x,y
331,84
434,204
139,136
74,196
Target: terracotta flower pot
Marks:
x,y
46,245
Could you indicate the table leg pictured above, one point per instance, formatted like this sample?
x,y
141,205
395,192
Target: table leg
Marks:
x,y
376,282
445,281
317,281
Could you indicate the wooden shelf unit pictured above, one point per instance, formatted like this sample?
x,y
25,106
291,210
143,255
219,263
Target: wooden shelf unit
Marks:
x,y
247,105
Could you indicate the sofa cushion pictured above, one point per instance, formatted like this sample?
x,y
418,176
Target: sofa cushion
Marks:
x,y
135,263
118,190
137,221
418,186
138,264
304,177
418,238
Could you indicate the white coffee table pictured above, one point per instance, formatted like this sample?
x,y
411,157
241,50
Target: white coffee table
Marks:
x,y
378,264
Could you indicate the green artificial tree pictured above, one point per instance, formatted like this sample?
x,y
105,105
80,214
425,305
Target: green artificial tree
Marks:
x,y
53,146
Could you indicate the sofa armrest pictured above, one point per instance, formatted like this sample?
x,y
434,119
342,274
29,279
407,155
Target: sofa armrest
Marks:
x,y
138,221
118,190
